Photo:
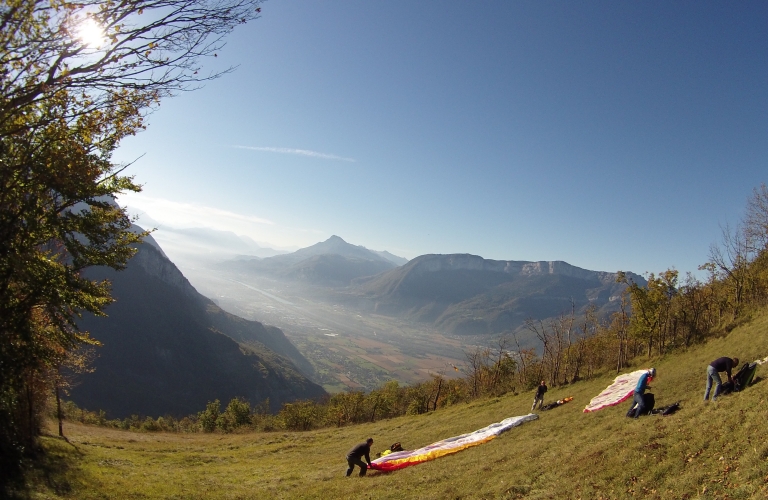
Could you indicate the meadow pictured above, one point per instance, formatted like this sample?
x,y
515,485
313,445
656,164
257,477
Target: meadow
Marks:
x,y
705,450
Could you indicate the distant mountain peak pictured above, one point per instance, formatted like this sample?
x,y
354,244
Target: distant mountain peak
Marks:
x,y
336,245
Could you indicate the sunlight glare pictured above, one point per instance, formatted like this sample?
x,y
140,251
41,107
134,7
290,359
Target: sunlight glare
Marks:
x,y
91,33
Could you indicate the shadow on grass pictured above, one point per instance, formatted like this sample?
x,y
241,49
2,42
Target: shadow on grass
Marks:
x,y
49,469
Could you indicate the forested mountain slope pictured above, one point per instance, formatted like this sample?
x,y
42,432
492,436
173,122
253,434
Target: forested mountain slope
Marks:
x,y
467,294
169,350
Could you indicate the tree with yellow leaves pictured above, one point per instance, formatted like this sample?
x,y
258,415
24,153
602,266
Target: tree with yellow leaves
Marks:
x,y
77,77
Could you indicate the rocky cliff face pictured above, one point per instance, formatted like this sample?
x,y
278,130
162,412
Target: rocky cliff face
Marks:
x,y
155,263
467,262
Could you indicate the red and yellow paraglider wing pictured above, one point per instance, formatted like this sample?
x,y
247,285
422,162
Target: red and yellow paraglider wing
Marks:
x,y
402,459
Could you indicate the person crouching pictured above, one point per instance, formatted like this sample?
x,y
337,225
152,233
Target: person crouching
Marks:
x,y
642,385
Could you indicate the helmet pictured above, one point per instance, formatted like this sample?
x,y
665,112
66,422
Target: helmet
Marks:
x,y
652,371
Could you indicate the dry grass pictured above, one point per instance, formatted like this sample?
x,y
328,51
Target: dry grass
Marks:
x,y
715,450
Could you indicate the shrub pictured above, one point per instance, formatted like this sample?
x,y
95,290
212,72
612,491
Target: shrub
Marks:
x,y
300,416
210,416
149,425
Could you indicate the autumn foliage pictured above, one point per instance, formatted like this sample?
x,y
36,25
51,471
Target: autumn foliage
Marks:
x,y
66,102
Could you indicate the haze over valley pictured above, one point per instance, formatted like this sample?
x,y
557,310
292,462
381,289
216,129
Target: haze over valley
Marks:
x,y
363,317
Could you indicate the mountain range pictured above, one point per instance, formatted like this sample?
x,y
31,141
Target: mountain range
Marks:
x,y
169,350
457,293
467,294
333,262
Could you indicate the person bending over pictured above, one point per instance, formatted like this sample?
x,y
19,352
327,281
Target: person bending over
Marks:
x,y
355,455
713,374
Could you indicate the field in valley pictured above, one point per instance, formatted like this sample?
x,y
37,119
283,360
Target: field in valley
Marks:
x,y
348,348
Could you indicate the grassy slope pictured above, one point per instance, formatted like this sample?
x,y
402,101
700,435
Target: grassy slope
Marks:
x,y
715,450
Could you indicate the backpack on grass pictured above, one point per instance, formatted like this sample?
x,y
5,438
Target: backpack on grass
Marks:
x,y
744,376
667,410
649,400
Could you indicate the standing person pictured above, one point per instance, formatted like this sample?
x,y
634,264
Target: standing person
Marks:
x,y
719,365
640,388
539,398
355,454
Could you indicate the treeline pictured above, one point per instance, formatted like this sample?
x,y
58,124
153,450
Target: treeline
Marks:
x,y
340,409
666,313
653,319
237,415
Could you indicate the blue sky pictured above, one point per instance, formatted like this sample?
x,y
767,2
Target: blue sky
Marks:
x,y
611,135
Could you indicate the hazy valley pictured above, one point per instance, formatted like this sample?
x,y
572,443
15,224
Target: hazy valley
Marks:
x,y
362,319
349,349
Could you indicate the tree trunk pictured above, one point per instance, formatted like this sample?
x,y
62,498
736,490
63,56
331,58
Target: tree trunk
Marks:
x,y
59,415
437,396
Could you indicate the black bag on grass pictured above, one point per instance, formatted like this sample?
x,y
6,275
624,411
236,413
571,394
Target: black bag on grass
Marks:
x,y
726,388
744,376
741,379
667,410
650,401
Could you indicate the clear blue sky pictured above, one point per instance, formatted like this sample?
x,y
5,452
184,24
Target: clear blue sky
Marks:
x,y
611,135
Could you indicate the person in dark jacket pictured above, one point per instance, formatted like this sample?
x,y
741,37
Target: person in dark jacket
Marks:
x,y
640,388
539,398
356,454
713,374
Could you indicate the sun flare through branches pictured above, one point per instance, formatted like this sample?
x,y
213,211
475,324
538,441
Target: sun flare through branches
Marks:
x,y
91,33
